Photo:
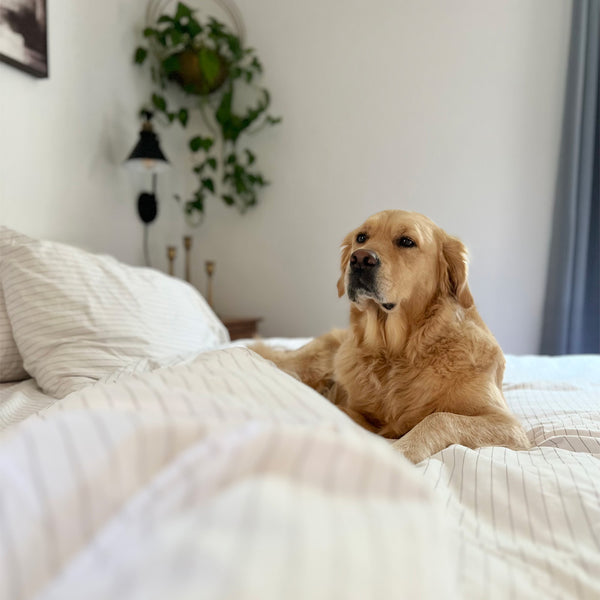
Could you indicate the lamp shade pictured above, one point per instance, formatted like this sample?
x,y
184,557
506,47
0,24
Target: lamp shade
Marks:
x,y
147,155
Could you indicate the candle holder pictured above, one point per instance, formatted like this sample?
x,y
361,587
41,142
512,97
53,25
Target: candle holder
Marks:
x,y
187,244
171,255
209,265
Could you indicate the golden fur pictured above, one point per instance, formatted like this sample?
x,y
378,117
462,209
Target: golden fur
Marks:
x,y
417,364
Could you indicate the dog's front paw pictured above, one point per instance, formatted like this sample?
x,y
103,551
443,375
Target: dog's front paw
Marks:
x,y
411,451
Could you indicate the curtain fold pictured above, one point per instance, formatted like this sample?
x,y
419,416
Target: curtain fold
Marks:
x,y
571,323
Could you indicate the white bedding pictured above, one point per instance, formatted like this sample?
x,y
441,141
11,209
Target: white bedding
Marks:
x,y
19,400
222,477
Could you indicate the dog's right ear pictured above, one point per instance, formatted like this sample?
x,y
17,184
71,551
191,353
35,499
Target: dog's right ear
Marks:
x,y
346,251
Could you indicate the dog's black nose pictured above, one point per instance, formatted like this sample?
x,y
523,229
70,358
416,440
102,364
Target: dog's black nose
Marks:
x,y
364,259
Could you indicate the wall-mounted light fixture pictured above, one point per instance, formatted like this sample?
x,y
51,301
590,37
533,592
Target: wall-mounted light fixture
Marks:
x,y
147,156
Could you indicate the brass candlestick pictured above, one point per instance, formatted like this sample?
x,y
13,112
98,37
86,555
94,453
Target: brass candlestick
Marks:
x,y
187,244
171,254
210,269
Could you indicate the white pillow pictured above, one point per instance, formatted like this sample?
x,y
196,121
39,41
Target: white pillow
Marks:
x,y
76,316
11,363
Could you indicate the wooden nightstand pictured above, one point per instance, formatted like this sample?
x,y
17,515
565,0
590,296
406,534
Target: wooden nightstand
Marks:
x,y
241,327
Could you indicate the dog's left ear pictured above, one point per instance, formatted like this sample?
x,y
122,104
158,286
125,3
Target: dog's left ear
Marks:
x,y
346,251
454,268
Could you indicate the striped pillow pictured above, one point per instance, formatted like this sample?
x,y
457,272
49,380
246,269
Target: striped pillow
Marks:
x,y
76,316
11,363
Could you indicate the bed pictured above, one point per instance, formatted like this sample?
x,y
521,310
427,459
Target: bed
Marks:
x,y
143,455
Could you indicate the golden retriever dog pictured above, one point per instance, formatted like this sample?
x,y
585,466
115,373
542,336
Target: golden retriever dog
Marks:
x,y
417,364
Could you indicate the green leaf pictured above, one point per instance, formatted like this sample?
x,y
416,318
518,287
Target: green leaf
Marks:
x,y
171,64
228,200
274,120
183,116
234,45
256,65
200,143
196,204
216,27
209,184
140,55
212,163
149,32
207,144
159,102
193,28
210,65
176,37
161,38
250,156
240,186
183,11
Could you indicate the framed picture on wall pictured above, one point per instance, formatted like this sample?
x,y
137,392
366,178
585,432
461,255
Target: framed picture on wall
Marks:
x,y
23,35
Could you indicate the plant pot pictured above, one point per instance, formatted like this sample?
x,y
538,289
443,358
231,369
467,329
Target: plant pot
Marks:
x,y
200,71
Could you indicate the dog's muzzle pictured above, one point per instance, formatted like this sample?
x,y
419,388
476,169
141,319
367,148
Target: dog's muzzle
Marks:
x,y
362,278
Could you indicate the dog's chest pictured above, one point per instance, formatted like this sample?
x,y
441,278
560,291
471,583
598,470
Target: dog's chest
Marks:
x,y
384,390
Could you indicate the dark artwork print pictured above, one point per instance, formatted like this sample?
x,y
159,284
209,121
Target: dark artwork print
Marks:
x,y
23,35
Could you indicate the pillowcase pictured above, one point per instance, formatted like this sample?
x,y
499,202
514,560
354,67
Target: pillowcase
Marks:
x,y
11,363
76,316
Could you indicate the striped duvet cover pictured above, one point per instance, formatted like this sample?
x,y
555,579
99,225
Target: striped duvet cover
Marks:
x,y
222,477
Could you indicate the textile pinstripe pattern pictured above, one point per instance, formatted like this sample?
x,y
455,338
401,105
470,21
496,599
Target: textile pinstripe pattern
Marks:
x,y
11,363
76,316
222,477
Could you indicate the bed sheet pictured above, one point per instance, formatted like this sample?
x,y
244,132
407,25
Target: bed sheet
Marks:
x,y
528,523
221,477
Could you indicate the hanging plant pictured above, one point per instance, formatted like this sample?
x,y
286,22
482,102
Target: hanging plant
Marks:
x,y
210,64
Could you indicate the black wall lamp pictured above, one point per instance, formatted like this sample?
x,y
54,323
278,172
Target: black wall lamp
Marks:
x,y
147,157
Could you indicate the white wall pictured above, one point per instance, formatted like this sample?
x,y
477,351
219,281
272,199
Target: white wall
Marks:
x,y
450,109
62,139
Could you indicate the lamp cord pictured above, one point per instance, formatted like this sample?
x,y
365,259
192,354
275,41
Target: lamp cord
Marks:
x,y
146,252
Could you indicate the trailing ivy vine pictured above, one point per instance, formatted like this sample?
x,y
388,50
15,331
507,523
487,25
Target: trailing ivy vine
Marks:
x,y
209,63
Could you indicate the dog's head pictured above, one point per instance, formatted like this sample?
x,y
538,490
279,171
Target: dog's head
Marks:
x,y
397,257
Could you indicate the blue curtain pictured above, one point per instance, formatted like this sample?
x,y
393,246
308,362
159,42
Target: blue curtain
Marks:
x,y
572,311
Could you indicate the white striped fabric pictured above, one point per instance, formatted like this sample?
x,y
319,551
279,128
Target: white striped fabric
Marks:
x,y
19,400
528,523
76,316
11,363
220,478
225,478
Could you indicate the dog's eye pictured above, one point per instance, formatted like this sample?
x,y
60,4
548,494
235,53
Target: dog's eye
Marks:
x,y
361,238
405,242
